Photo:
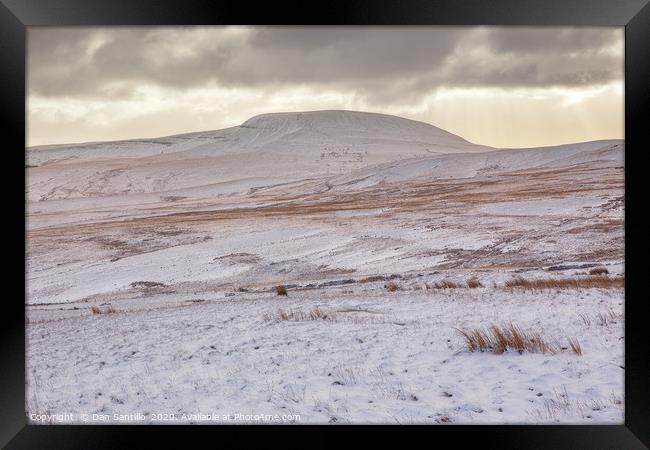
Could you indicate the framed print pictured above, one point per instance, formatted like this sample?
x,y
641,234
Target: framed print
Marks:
x,y
391,216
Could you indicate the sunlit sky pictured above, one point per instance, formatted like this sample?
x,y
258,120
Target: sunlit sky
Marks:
x,y
497,86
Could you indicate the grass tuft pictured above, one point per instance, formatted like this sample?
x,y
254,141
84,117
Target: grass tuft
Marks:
x,y
498,339
598,271
593,281
391,286
281,290
98,310
473,283
299,316
604,319
445,284
575,346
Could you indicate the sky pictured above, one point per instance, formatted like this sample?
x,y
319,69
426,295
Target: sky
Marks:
x,y
504,87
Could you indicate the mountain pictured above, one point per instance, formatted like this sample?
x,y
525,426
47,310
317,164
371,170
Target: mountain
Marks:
x,y
485,164
359,130
309,132
273,148
321,150
306,197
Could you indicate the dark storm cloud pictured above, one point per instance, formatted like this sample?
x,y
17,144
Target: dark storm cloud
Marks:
x,y
96,62
334,54
379,63
545,40
521,57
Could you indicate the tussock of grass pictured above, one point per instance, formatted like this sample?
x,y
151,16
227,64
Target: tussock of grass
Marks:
x,y
594,281
598,271
281,290
98,310
445,284
575,346
498,339
603,319
609,317
585,319
473,283
560,404
391,287
299,316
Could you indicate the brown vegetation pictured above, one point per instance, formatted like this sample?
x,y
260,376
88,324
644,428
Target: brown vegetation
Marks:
x,y
392,287
575,346
473,283
497,339
409,196
372,278
594,281
281,290
445,284
598,271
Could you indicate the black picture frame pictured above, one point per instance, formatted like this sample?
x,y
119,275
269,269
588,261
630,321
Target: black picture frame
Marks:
x,y
634,15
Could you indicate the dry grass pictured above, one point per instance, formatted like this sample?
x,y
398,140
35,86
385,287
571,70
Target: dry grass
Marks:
x,y
372,278
609,317
585,319
411,196
392,287
598,271
575,346
498,339
593,281
562,405
603,319
443,420
147,285
473,283
98,310
444,284
299,316
281,290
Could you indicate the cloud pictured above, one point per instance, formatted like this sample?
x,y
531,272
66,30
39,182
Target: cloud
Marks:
x,y
382,64
121,82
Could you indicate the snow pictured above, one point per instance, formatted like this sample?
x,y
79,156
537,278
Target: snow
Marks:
x,y
553,206
186,236
396,360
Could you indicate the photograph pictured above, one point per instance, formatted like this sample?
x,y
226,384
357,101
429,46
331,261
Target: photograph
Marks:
x,y
295,225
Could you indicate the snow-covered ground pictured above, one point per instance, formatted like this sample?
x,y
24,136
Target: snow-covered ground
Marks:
x,y
185,237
